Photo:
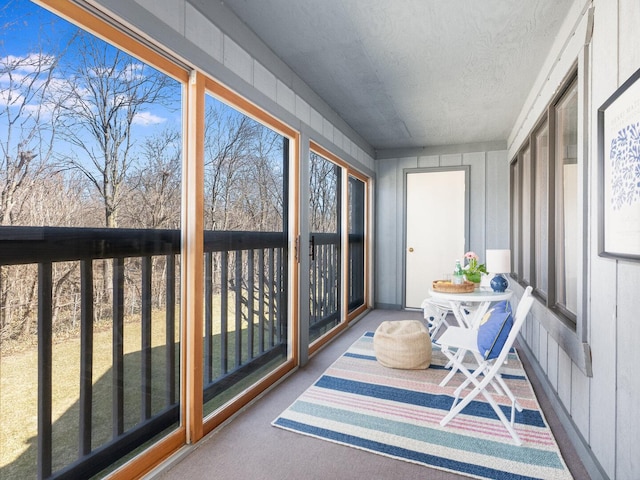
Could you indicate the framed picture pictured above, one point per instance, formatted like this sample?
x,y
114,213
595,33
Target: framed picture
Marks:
x,y
619,172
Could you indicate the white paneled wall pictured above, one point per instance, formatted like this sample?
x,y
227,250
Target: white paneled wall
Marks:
x,y
600,408
201,31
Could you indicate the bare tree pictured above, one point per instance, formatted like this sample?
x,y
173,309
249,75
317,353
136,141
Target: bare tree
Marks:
x,y
28,113
228,137
60,200
264,193
243,172
28,117
107,92
324,184
155,201
155,184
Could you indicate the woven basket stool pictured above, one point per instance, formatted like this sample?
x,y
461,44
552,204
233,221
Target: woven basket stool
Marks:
x,y
403,344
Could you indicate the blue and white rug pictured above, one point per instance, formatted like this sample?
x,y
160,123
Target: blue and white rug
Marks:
x,y
359,403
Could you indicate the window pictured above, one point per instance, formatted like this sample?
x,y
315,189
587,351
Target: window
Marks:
x,y
541,209
566,201
161,294
245,252
526,215
356,243
544,203
337,245
325,246
92,155
516,224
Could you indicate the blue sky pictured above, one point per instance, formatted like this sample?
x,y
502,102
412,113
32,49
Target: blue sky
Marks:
x,y
31,32
24,22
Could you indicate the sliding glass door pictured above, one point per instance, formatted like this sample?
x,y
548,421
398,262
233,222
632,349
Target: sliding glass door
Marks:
x,y
357,245
324,246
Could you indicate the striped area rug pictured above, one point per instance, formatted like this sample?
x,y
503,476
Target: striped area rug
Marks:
x,y
359,403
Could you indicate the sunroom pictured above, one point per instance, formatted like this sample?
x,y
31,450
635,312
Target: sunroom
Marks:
x,y
201,201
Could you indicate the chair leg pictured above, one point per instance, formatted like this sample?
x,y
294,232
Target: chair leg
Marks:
x,y
480,387
457,408
436,319
437,325
455,359
496,383
514,402
508,424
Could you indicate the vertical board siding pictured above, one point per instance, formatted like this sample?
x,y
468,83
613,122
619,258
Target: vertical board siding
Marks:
x,y
488,204
496,197
477,205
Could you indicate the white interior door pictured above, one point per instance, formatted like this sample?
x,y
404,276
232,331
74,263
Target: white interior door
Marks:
x,y
435,230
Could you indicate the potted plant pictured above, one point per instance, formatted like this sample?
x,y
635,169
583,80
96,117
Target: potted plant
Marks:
x,y
473,270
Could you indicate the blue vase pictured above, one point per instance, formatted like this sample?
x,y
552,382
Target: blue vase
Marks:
x,y
499,283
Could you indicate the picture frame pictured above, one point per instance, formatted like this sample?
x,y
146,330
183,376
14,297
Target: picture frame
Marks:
x,y
619,172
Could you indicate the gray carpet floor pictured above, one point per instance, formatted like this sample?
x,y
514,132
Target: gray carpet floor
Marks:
x,y
249,448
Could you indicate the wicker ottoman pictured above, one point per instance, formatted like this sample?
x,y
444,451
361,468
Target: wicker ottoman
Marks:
x,y
403,344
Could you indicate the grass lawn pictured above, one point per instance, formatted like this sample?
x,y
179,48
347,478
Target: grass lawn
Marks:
x,y
19,381
18,396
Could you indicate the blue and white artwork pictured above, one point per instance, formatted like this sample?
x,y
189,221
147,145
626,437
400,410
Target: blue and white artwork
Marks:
x,y
621,200
625,167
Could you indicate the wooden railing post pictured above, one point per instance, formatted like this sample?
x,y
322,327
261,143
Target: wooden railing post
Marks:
x,y
45,303
86,356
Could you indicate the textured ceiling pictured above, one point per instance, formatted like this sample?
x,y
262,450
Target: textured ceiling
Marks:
x,y
413,73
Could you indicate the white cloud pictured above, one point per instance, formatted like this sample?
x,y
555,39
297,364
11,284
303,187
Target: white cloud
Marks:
x,y
134,71
147,118
19,75
27,64
9,97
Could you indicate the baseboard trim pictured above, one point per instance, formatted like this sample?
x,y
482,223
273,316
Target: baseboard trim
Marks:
x,y
387,306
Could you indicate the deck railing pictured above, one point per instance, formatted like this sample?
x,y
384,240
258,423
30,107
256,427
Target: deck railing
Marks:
x,y
325,280
356,270
247,269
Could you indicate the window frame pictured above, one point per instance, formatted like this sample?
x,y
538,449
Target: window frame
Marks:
x,y
556,189
574,323
89,19
346,316
541,216
193,426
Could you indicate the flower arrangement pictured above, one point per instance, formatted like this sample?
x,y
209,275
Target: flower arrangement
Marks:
x,y
473,270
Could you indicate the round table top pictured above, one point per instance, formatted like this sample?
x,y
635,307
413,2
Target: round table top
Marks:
x,y
478,295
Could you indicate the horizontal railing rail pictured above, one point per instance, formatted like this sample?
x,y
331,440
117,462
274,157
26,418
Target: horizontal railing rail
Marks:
x,y
24,245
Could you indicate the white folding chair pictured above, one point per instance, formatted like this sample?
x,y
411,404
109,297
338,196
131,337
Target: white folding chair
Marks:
x,y
464,340
435,313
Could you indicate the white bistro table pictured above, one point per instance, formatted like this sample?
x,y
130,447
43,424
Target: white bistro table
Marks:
x,y
480,299
477,303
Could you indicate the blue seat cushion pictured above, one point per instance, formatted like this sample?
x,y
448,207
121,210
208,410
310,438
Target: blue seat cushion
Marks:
x,y
494,329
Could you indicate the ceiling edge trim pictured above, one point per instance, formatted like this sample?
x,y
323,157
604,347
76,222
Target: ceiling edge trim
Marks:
x,y
440,150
